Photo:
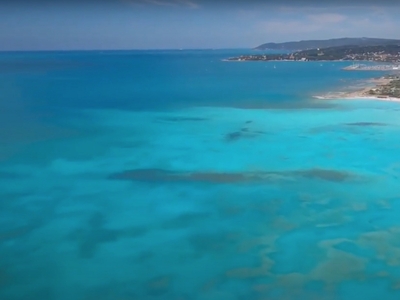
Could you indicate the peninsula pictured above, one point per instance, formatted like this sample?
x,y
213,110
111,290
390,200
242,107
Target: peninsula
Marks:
x,y
376,53
385,52
383,88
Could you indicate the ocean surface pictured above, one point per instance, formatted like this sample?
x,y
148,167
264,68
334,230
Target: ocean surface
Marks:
x,y
177,175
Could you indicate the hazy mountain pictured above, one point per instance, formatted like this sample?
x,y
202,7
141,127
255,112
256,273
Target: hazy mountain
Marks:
x,y
312,44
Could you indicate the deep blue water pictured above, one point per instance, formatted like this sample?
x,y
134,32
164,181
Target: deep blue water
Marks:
x,y
177,175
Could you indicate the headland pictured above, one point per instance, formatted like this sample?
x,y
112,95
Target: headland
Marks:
x,y
383,57
385,88
379,53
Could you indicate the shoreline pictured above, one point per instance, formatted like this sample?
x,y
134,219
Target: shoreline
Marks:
x,y
364,93
361,97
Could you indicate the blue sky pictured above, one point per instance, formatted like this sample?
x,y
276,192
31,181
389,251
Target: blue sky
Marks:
x,y
165,24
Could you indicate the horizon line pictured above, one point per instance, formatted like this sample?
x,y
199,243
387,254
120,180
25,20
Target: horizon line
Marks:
x,y
133,49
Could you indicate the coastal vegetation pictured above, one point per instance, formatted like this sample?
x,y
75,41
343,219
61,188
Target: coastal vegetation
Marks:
x,y
391,89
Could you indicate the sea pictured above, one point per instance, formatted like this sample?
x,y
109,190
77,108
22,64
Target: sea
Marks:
x,y
174,174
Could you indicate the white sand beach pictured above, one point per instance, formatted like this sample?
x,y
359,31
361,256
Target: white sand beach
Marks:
x,y
361,93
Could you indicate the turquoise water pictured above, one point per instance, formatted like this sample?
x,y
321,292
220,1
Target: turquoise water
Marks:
x,y
176,175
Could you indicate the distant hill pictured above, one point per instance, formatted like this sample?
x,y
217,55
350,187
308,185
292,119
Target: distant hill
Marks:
x,y
313,44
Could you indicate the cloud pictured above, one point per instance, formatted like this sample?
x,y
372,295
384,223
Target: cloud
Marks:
x,y
287,27
188,3
327,18
384,27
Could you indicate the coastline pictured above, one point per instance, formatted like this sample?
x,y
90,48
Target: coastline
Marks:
x,y
362,94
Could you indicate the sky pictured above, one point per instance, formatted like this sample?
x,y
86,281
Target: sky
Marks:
x,y
187,24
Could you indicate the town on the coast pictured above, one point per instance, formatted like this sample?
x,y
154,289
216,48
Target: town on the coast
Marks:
x,y
364,53
383,53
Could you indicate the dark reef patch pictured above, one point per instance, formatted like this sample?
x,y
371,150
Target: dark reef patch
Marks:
x,y
158,286
145,255
89,237
185,220
146,175
113,290
213,242
233,136
182,119
9,175
324,174
5,277
287,105
162,176
242,133
366,124
16,233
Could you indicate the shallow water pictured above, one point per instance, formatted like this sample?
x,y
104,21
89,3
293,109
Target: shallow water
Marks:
x,y
174,175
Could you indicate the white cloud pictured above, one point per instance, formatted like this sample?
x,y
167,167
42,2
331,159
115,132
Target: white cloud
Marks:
x,y
190,4
325,18
328,25
287,27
